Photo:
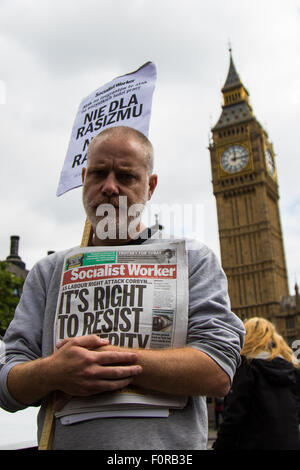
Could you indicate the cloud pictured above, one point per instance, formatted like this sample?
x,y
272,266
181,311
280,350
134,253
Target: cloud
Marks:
x,y
55,53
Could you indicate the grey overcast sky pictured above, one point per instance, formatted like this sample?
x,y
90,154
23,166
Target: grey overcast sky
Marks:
x,y
54,53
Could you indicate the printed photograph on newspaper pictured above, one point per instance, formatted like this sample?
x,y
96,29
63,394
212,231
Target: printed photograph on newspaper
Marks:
x,y
135,296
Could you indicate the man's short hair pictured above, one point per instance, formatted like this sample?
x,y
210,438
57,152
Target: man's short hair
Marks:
x,y
117,130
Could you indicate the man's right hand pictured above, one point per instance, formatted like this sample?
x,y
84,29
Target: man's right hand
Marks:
x,y
90,371
76,369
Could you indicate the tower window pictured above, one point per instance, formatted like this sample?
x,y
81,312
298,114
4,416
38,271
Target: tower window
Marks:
x,y
290,323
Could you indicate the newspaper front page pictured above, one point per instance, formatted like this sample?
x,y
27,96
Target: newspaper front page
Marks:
x,y
135,296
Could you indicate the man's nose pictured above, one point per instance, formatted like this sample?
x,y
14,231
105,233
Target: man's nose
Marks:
x,y
110,185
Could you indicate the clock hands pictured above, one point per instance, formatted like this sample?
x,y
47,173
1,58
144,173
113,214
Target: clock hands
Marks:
x,y
234,155
234,158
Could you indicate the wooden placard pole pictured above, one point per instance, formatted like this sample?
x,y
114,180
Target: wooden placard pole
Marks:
x,y
46,439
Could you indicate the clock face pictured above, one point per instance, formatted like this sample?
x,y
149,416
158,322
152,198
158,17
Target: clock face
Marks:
x,y
234,159
270,162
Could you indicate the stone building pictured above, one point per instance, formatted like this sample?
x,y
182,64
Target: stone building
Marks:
x,y
245,186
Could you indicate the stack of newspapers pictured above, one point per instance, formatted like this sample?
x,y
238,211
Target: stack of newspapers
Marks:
x,y
136,297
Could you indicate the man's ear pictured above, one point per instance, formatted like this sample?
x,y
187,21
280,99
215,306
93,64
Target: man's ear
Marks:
x,y
83,171
152,185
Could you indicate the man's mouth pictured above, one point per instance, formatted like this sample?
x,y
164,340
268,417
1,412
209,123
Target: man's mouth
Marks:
x,y
109,203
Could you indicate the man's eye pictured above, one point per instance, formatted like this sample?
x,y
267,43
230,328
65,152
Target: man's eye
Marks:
x,y
126,177
98,173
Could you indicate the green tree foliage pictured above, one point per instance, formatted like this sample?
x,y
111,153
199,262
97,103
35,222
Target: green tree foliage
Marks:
x,y
10,291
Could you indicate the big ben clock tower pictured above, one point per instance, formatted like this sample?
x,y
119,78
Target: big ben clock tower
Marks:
x,y
245,186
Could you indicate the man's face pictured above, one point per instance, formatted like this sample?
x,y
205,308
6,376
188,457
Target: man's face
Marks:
x,y
116,171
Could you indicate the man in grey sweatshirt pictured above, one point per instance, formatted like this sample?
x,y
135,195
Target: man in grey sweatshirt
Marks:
x,y
120,163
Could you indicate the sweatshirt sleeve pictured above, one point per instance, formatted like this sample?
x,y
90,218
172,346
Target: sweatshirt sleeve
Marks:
x,y
23,338
213,327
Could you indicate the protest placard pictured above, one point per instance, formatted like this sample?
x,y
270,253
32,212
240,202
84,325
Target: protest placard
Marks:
x,y
126,100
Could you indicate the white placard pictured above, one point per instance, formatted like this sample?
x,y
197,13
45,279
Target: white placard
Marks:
x,y
125,101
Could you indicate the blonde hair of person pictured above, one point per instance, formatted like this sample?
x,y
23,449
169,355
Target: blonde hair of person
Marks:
x,y
261,336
